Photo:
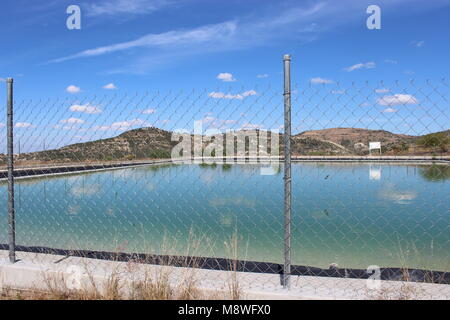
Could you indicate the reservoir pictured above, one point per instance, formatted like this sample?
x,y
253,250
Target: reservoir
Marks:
x,y
351,214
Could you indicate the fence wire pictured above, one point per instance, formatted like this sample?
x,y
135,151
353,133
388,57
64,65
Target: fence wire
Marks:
x,y
98,177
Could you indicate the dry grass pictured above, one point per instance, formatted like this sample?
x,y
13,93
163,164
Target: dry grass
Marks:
x,y
156,285
137,280
406,287
406,291
233,286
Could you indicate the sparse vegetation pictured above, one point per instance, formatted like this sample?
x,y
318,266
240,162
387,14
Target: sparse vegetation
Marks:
x,y
154,143
439,140
139,279
159,154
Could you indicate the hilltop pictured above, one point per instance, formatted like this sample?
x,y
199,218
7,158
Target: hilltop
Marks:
x,y
133,144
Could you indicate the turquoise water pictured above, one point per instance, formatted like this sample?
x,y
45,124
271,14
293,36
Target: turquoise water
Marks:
x,y
354,215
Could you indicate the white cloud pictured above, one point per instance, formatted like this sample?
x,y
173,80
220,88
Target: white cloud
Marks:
x,y
417,44
230,35
208,119
149,111
249,93
118,7
398,196
367,65
85,108
201,35
319,80
215,123
24,125
249,126
397,99
391,61
382,90
267,23
246,31
72,121
110,86
122,125
239,96
226,77
221,95
389,110
68,127
102,128
221,124
73,89
129,123
262,76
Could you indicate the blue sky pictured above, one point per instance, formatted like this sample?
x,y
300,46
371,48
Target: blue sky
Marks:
x,y
228,51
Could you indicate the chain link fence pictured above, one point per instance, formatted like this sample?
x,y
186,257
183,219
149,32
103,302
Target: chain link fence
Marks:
x,y
195,179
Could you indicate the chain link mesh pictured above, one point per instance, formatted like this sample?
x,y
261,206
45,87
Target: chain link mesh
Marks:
x,y
370,178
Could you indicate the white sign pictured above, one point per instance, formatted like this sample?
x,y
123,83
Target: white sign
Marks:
x,y
374,145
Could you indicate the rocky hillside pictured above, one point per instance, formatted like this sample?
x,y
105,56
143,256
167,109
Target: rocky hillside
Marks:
x,y
139,143
304,145
145,143
356,141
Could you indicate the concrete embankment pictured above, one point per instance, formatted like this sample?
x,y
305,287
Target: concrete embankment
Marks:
x,y
36,271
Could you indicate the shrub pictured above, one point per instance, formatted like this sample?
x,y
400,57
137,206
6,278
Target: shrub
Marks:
x,y
435,140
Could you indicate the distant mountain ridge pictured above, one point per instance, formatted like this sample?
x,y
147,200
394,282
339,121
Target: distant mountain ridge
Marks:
x,y
151,142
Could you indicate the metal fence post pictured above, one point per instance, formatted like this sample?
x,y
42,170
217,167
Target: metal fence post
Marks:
x,y
287,171
11,217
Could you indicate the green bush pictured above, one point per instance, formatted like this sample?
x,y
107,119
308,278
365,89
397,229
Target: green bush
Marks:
x,y
435,140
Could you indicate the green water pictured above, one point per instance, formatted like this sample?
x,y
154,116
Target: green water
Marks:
x,y
354,215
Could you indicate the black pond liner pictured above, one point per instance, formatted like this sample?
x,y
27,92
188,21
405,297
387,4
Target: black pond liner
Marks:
x,y
78,168
395,274
68,169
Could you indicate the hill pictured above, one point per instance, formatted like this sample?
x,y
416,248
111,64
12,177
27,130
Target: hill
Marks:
x,y
151,143
356,140
134,144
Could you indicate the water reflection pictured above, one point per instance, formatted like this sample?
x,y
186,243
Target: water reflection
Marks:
x,y
400,196
338,214
435,173
374,173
